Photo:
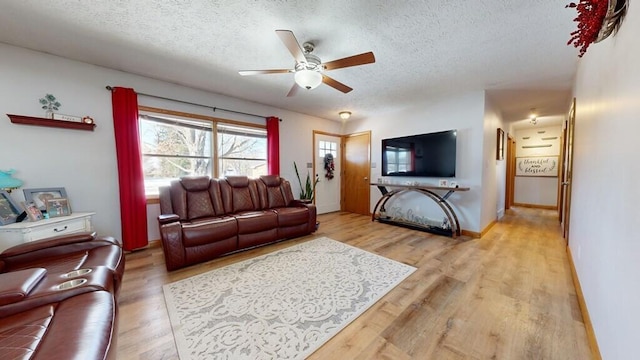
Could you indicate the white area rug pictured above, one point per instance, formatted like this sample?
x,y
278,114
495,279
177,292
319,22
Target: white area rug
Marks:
x,y
282,305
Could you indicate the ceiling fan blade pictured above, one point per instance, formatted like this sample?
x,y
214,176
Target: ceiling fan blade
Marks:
x,y
335,84
361,59
292,44
260,72
294,90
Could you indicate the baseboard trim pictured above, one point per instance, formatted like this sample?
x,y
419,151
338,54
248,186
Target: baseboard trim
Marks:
x,y
591,335
472,234
536,206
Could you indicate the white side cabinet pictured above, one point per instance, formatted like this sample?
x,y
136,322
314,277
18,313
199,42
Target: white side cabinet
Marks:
x,y
26,231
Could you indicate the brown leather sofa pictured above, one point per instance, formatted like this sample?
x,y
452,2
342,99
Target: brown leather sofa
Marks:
x,y
203,218
58,298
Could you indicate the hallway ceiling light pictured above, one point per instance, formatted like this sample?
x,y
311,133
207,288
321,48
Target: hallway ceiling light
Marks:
x,y
533,116
345,115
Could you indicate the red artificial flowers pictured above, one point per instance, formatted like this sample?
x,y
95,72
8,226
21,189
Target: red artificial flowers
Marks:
x,y
591,15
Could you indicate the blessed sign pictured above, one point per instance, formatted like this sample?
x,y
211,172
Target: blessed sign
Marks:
x,y
537,166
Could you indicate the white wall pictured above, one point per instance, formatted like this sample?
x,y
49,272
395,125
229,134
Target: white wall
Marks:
x,y
535,190
493,171
604,211
84,162
463,112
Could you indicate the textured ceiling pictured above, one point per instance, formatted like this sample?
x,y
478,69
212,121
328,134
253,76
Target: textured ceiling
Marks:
x,y
424,49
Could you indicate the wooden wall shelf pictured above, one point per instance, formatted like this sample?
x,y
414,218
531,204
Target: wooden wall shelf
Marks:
x,y
37,121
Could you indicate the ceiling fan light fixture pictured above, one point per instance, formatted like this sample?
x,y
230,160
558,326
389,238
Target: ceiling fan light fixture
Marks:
x,y
308,79
345,115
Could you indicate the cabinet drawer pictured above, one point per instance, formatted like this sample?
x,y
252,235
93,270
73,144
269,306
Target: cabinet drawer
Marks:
x,y
62,228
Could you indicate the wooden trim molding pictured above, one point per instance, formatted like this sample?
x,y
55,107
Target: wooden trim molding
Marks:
x,y
586,319
472,234
153,199
536,206
199,117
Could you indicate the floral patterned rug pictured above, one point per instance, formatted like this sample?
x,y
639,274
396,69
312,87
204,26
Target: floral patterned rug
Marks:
x,y
282,305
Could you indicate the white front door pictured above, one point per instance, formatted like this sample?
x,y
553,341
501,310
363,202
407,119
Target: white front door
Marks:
x,y
328,189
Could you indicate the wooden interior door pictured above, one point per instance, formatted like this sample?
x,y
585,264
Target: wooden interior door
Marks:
x,y
568,171
356,165
511,166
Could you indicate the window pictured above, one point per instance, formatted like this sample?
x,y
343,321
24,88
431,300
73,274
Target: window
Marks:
x,y
174,146
241,150
327,147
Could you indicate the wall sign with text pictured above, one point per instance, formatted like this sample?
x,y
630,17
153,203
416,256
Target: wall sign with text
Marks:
x,y
537,166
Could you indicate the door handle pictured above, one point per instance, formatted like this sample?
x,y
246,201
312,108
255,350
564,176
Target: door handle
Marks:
x,y
366,178
565,183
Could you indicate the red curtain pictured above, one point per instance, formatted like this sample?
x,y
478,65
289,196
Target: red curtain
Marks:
x,y
273,146
133,203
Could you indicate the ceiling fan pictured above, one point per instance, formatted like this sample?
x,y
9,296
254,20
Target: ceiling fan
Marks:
x,y
308,68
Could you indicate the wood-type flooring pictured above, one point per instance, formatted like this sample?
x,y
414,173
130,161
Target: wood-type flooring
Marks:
x,y
508,295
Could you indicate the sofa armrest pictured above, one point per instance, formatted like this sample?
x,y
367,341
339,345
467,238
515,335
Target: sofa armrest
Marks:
x,y
174,252
16,285
47,243
18,255
299,203
168,218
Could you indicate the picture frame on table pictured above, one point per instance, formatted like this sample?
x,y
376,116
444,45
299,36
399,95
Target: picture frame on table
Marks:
x,y
40,196
58,207
9,209
32,211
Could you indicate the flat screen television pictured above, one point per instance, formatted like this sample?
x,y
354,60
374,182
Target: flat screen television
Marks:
x,y
424,155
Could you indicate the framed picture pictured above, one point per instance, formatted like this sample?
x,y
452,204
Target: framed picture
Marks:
x,y
9,210
40,196
500,145
537,166
58,207
32,211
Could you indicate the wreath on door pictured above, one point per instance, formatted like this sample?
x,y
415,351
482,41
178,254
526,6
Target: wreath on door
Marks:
x,y
329,166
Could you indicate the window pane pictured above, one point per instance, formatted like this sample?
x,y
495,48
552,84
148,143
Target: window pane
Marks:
x,y
159,171
241,151
173,147
250,168
158,137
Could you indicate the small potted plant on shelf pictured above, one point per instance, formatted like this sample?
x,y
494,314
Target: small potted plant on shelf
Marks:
x,y
307,191
49,103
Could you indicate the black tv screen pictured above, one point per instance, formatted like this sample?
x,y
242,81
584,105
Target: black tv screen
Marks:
x,y
425,155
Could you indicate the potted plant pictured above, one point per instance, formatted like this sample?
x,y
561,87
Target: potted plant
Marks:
x,y
307,191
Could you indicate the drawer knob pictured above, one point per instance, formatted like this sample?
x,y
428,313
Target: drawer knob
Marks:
x,y
60,230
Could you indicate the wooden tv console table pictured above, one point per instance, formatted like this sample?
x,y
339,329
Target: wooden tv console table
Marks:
x,y
428,192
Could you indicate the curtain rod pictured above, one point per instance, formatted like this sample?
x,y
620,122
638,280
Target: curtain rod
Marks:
x,y
108,87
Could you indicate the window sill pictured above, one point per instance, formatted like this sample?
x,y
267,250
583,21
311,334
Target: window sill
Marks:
x,y
153,199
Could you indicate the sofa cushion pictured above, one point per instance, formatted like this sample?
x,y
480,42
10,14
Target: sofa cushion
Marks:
x,y
274,196
256,221
80,327
199,205
291,216
239,194
195,183
209,230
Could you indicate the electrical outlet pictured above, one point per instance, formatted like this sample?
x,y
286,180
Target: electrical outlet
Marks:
x,y
309,165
